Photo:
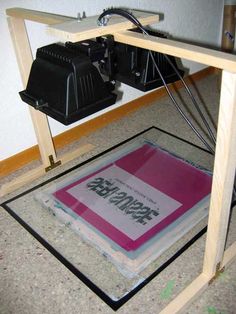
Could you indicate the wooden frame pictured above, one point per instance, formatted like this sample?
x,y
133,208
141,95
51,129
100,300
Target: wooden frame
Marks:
x,y
16,22
216,258
228,30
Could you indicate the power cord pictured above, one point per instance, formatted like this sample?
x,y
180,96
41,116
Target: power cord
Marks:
x,y
104,19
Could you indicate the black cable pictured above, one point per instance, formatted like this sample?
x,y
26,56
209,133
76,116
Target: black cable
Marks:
x,y
179,108
233,202
210,132
140,26
121,12
135,21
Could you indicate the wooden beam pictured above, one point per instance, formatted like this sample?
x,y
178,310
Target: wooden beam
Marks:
x,y
223,176
40,122
228,31
190,52
187,296
229,255
36,173
25,59
37,16
197,286
20,181
88,28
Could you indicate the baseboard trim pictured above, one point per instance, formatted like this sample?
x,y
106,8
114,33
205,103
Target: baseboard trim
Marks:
x,y
21,159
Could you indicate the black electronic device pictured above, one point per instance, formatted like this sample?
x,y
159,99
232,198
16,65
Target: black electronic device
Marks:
x,y
65,85
65,81
135,67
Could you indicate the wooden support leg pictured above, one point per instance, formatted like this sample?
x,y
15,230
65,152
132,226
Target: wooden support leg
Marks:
x,y
222,187
187,296
223,179
24,59
228,31
40,121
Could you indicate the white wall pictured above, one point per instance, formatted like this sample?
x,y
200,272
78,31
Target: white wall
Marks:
x,y
196,21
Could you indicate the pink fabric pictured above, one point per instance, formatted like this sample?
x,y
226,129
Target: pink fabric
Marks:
x,y
172,176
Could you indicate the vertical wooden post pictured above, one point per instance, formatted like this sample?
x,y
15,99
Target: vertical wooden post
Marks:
x,y
228,31
223,179
24,58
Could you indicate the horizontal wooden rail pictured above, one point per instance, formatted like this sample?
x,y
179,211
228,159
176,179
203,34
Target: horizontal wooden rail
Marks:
x,y
88,28
194,53
37,16
187,296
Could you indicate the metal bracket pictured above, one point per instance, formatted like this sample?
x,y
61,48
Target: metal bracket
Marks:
x,y
219,271
53,164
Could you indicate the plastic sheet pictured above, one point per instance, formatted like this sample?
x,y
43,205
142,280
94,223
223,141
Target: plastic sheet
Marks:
x,y
86,216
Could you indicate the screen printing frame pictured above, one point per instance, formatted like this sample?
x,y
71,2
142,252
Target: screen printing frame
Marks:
x,y
114,304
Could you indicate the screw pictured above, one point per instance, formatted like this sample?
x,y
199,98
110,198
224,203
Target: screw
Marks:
x,y
79,19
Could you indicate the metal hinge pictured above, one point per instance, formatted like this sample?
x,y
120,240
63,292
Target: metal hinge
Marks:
x,y
219,271
53,164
